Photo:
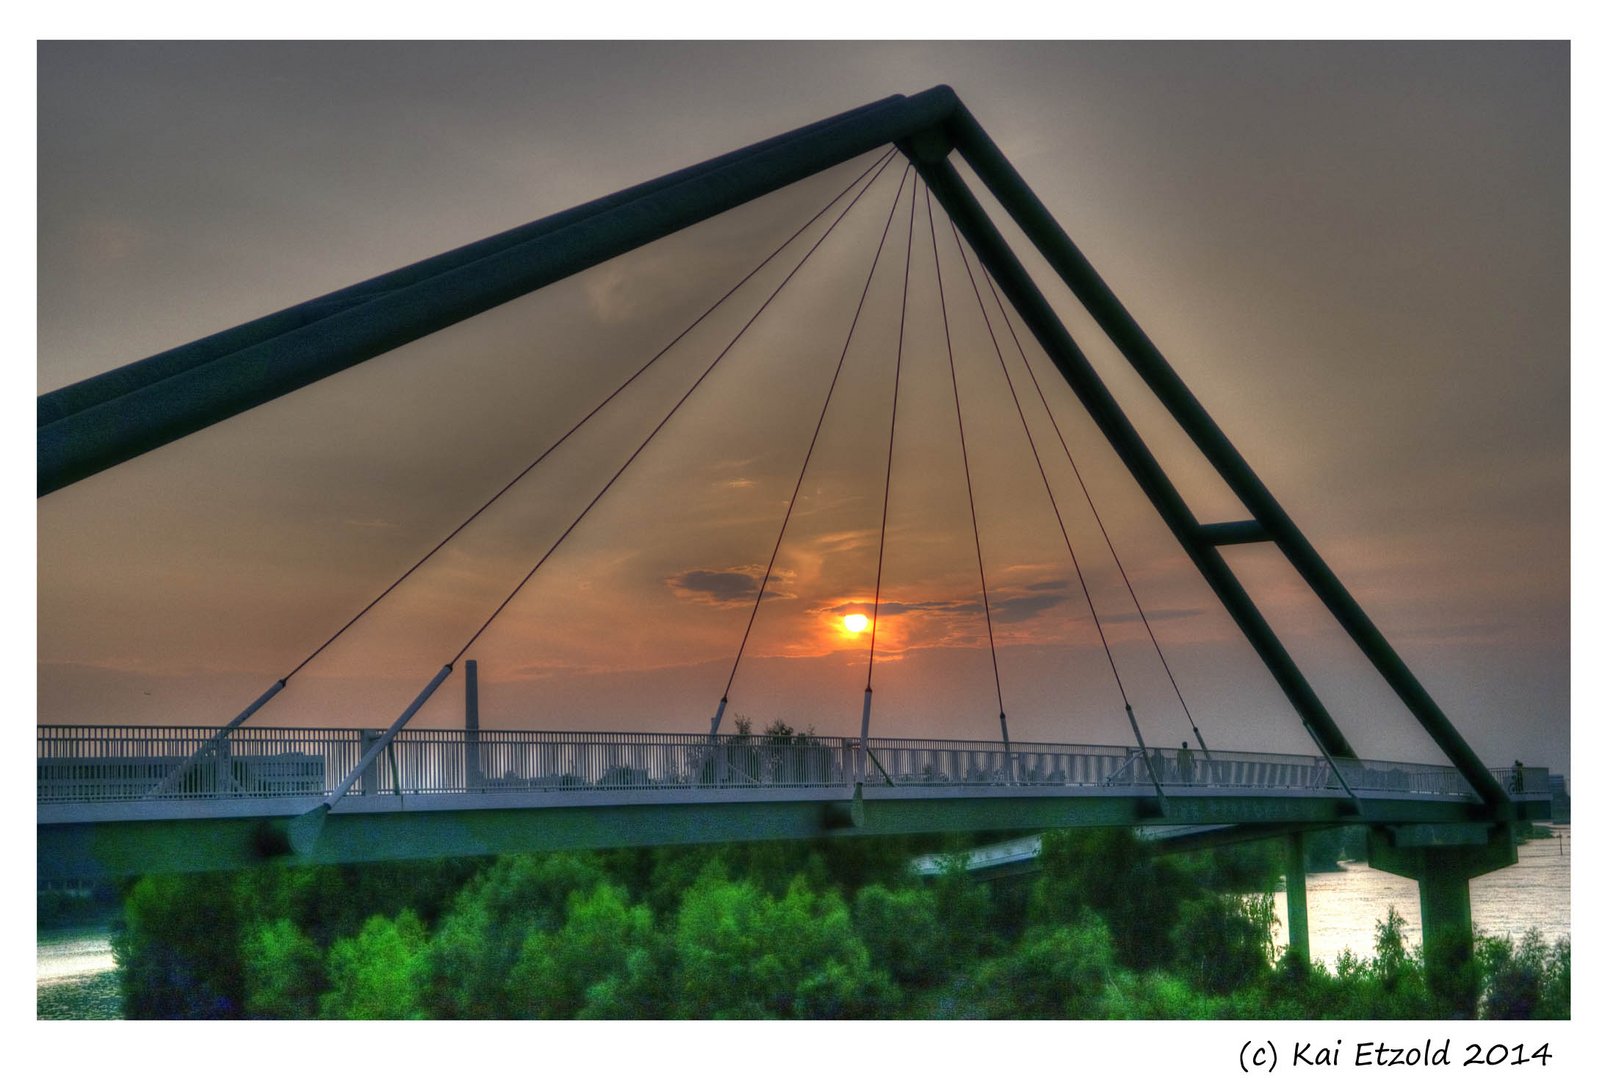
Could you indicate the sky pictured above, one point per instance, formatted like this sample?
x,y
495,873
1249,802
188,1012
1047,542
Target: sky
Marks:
x,y
1356,255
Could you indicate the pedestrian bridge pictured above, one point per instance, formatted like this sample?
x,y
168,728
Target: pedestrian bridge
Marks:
x,y
123,800
130,799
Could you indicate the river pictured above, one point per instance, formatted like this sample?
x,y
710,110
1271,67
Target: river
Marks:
x,y
1343,906
77,977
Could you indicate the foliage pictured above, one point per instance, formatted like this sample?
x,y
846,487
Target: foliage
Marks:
x,y
178,949
477,945
1054,973
1222,943
1108,872
378,974
904,934
1525,980
1327,849
283,971
589,954
740,953
826,929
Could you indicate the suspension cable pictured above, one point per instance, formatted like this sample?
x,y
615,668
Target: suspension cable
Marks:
x,y
812,442
865,753
1043,475
965,457
880,163
1127,706
1115,558
664,421
892,435
443,673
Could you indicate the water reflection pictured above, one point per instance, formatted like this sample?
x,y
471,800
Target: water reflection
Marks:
x,y
77,978
1342,907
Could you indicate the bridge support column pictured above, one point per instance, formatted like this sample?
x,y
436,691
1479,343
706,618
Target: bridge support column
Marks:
x,y
1296,895
1443,859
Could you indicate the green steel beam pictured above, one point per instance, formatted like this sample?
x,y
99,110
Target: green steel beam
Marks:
x,y
84,429
1019,289
124,848
1052,242
111,385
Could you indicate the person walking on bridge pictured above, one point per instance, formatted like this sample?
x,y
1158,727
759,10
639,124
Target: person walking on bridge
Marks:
x,y
1186,763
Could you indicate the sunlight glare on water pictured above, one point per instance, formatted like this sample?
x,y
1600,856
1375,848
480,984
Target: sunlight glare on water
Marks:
x,y
1343,907
76,976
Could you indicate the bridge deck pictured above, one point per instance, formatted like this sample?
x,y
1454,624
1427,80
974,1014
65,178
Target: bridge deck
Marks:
x,y
117,800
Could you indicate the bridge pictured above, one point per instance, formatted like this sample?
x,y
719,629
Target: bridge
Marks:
x,y
123,800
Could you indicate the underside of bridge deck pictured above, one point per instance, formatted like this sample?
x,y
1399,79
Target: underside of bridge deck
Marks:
x,y
375,828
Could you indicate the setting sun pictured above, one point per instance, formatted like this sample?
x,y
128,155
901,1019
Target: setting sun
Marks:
x,y
856,623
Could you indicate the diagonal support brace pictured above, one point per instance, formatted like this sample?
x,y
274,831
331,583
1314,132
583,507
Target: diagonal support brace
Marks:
x,y
1052,335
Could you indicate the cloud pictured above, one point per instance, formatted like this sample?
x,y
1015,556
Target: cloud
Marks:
x,y
900,607
1016,609
1157,615
730,586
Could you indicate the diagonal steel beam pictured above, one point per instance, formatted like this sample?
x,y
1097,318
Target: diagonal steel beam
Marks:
x,y
1030,215
1019,289
114,384
136,409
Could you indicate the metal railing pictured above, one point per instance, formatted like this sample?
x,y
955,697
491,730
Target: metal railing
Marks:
x,y
93,764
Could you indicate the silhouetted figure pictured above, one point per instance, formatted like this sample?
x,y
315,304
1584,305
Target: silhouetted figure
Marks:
x,y
1158,766
1186,763
1517,778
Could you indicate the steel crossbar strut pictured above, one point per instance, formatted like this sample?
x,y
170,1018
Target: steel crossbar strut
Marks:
x,y
93,425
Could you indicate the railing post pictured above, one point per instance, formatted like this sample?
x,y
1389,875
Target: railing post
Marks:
x,y
373,749
474,765
367,778
221,768
862,769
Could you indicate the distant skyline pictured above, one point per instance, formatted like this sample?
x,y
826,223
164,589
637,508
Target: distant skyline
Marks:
x,y
1357,255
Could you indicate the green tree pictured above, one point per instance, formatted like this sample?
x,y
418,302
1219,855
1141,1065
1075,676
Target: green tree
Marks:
x,y
478,943
178,949
1222,943
965,910
284,973
740,953
1109,872
903,933
379,974
558,969
1053,973
1525,980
